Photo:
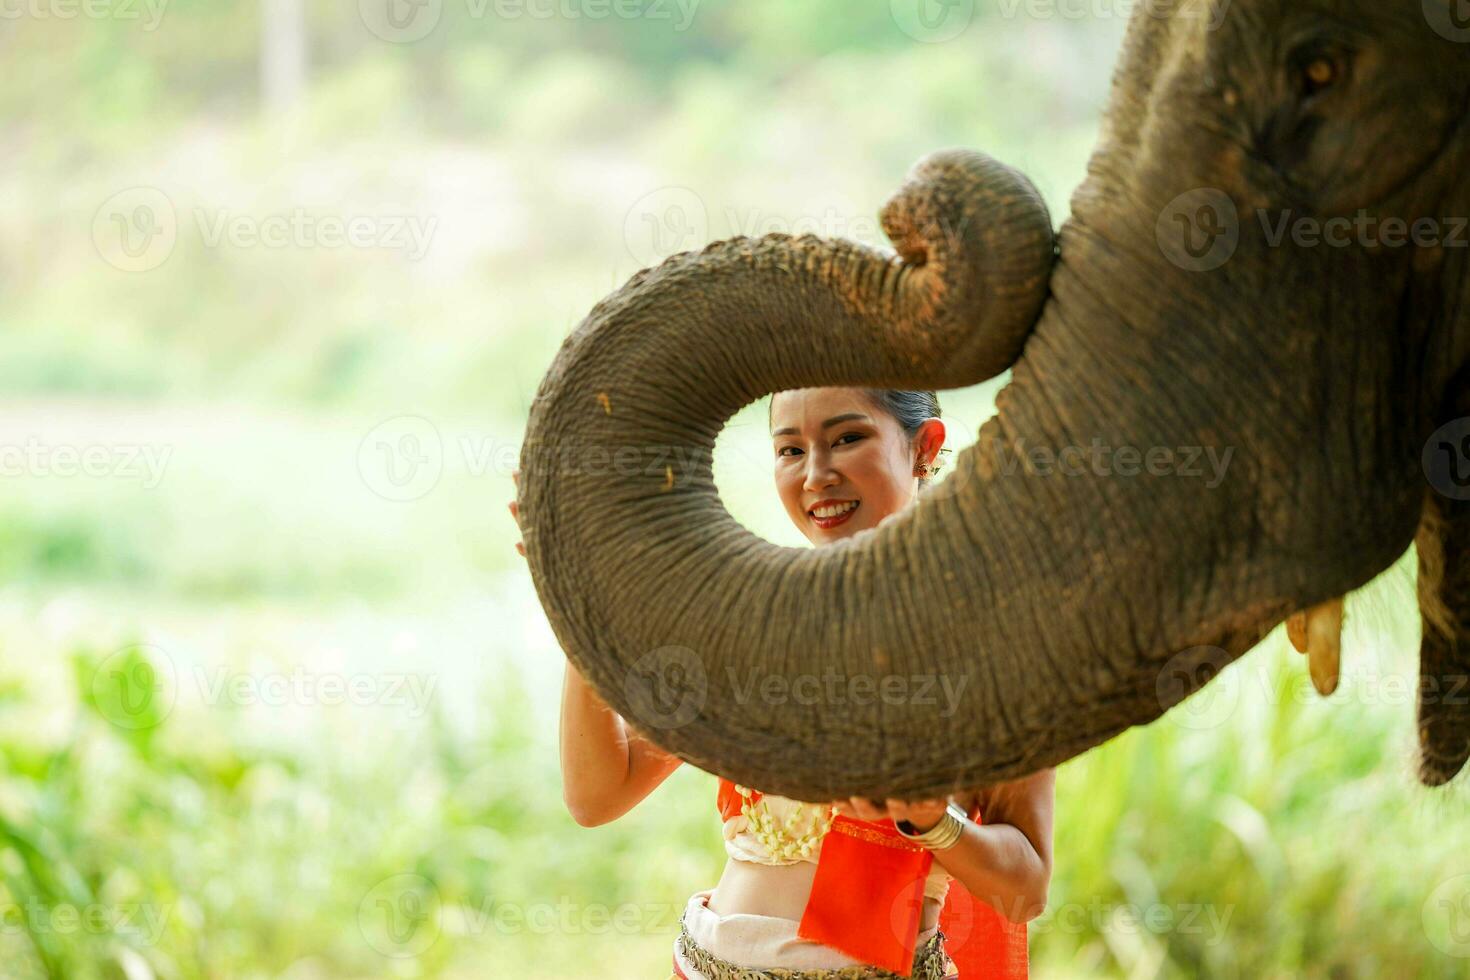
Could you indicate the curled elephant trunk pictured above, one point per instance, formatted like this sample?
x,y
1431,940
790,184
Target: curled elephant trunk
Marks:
x,y
681,618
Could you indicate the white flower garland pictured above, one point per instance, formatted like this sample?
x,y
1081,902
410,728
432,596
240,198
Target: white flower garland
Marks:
x,y
786,841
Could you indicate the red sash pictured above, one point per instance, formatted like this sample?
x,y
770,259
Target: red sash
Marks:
x,y
868,894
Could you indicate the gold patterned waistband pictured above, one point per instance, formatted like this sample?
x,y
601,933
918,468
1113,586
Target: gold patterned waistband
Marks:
x,y
930,963
872,836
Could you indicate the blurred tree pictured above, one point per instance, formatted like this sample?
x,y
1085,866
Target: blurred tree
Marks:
x,y
282,54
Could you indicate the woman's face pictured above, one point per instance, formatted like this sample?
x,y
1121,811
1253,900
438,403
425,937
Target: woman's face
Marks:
x,y
842,463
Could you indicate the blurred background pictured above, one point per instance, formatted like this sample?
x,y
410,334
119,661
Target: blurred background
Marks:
x,y
278,282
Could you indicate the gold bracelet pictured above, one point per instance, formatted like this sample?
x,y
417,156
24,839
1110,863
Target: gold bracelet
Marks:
x,y
943,835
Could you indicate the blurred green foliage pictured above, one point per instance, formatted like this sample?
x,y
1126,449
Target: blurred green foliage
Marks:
x,y
1264,833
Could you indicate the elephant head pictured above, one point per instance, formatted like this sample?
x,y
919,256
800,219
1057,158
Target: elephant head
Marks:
x,y
1217,417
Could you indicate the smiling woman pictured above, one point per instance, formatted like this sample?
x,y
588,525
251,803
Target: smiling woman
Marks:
x,y
848,888
839,448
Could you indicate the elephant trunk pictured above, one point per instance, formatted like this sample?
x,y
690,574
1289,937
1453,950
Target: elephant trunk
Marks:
x,y
991,630
670,608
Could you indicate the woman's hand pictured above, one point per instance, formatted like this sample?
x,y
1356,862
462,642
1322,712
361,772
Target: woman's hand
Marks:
x,y
515,510
923,814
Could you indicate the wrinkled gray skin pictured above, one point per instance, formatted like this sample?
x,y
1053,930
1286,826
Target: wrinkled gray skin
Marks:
x,y
1062,608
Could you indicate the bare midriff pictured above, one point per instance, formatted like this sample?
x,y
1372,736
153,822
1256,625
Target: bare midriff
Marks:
x,y
780,891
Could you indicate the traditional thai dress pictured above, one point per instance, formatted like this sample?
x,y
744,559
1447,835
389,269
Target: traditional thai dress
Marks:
x,y
862,918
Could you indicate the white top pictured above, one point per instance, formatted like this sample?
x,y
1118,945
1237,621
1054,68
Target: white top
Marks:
x,y
742,845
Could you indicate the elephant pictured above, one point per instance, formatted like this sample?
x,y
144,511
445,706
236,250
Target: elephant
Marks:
x,y
1179,308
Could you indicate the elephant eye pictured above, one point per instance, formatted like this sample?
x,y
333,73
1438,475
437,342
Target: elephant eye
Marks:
x,y
1320,74
1316,68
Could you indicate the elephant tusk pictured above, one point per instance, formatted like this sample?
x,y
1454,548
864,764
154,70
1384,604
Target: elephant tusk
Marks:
x,y
1296,630
1324,644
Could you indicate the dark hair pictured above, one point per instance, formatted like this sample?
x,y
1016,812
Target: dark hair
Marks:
x,y
908,408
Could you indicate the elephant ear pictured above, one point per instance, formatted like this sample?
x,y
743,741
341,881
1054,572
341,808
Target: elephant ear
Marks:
x,y
675,613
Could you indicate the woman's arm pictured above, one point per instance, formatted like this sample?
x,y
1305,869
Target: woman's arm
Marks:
x,y
1005,861
605,769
